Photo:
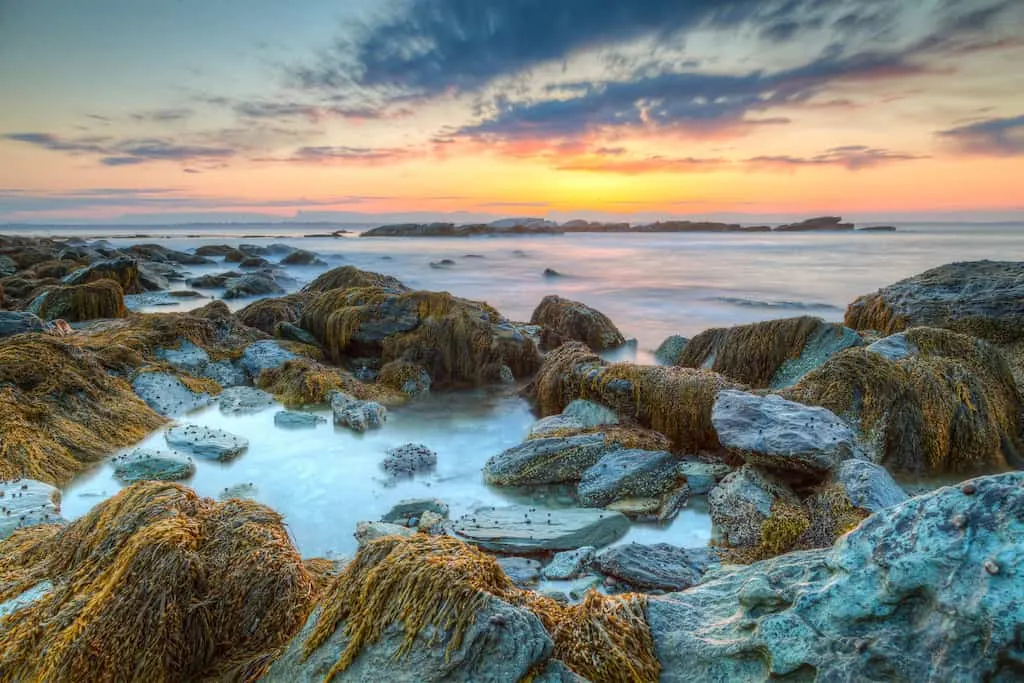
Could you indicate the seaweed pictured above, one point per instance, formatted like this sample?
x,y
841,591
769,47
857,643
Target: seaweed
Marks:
x,y
91,301
565,320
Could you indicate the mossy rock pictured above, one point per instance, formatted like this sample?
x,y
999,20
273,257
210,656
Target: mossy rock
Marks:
x,y
91,301
565,320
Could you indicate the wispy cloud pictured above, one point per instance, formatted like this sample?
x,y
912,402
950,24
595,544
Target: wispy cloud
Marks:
x,y
991,137
124,152
652,164
850,157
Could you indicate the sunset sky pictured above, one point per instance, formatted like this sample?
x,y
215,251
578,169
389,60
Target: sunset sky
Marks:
x,y
183,110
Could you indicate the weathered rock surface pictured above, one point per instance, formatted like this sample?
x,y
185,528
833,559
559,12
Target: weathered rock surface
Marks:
x,y
167,395
742,501
929,590
565,320
355,414
523,572
19,322
205,442
301,257
671,350
771,432
414,507
244,400
225,373
26,502
410,459
546,461
290,419
656,567
569,564
371,531
894,347
123,269
144,464
213,281
869,486
187,356
590,414
552,425
701,477
628,474
264,355
659,508
516,530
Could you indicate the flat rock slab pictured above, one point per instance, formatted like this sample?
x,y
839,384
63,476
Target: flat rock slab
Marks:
x,y
771,432
656,567
628,474
522,571
145,464
291,419
187,356
244,400
207,443
167,395
264,355
27,502
520,530
546,461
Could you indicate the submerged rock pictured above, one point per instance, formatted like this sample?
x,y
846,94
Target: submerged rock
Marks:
x,y
628,473
656,567
355,414
546,461
144,464
251,284
301,257
569,564
187,356
869,486
880,605
168,395
521,530
410,459
244,400
26,502
564,320
290,419
414,507
205,442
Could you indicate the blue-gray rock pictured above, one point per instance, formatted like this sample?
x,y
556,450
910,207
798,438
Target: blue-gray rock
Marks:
x,y
771,432
244,400
24,599
630,473
894,347
656,567
701,477
187,356
290,419
546,461
869,486
671,350
828,340
205,442
7,266
301,257
357,415
553,424
167,395
569,564
660,508
27,502
590,414
145,464
264,355
414,507
928,590
520,530
522,571
225,373
19,322
409,459
251,284
742,501
292,332
371,531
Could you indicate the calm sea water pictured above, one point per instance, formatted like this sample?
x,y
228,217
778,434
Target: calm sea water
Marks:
x,y
325,480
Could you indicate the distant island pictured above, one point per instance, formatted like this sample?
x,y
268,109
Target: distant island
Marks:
x,y
540,226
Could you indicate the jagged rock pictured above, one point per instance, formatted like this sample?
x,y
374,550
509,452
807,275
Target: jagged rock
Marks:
x,y
563,320
546,461
869,486
771,432
569,564
928,590
742,501
656,567
410,459
289,419
371,531
701,477
264,355
414,507
205,442
627,474
144,464
671,350
239,400
167,395
523,572
518,531
26,502
251,284
19,322
355,414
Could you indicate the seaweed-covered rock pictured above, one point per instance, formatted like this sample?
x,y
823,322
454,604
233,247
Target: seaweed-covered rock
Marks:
x,y
19,322
292,332
411,379
89,301
881,605
869,486
254,263
215,250
656,567
123,270
564,320
743,501
518,530
554,425
350,277
161,254
146,464
414,507
205,442
894,347
355,414
546,460
26,502
302,381
244,400
213,281
301,257
168,395
628,473
267,314
251,284
409,459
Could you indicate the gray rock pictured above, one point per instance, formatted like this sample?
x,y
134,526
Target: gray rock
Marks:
x,y
213,281
671,350
590,414
371,531
244,491
928,590
153,278
205,442
250,284
503,644
781,435
244,400
523,572
656,567
167,395
869,486
828,340
188,357
431,522
24,599
254,263
26,502
628,474
414,507
546,461
516,530
355,414
701,477
264,355
653,508
19,322
553,424
144,464
894,347
292,332
742,501
409,459
569,564
290,419
225,373
301,257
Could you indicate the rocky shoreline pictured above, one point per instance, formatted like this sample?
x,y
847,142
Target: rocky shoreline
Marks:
x,y
794,433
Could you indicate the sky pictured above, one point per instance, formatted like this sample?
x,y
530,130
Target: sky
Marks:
x,y
192,110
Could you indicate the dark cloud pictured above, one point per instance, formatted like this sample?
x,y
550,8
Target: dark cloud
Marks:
x,y
164,115
992,137
92,145
125,152
850,157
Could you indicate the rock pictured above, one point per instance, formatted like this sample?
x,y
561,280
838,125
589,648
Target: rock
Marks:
x,y
19,322
161,254
78,303
26,502
881,605
628,473
153,278
205,442
252,284
894,347
671,350
301,257
551,273
24,599
289,419
414,507
430,522
215,250
701,477
244,400
569,564
254,263
225,373
564,320
522,571
254,249
7,266
188,357
264,355
371,531
771,432
827,223
553,424
443,263
213,281
144,464
653,508
516,530
590,414
355,414
410,459
742,501
292,332
869,486
656,567
167,395
546,461
123,269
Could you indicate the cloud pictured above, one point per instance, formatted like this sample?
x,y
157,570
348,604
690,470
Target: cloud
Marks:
x,y
652,164
52,142
332,154
991,137
167,115
850,157
127,151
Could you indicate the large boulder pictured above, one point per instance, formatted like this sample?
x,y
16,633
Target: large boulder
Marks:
x,y
267,314
519,530
869,486
564,320
656,567
632,473
929,590
251,284
546,460
785,436
145,464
